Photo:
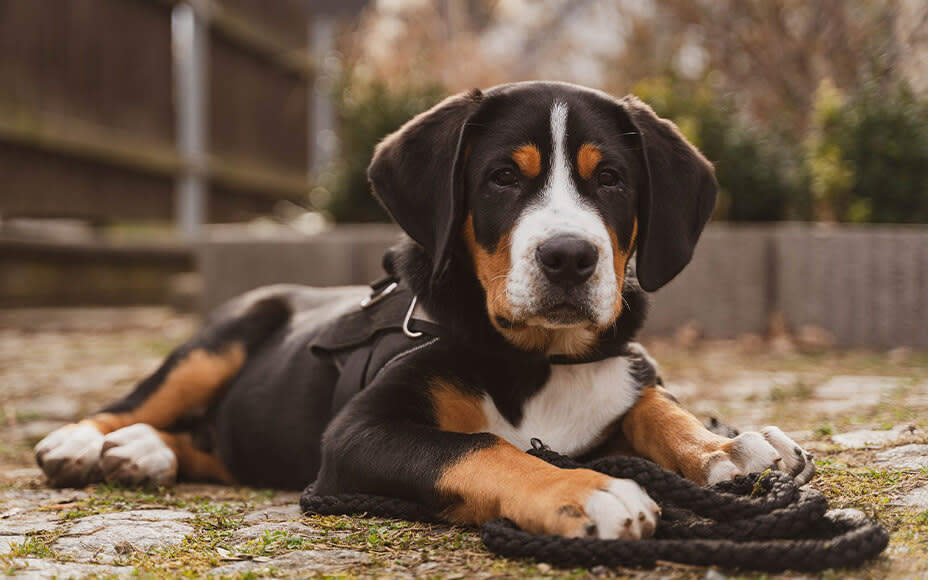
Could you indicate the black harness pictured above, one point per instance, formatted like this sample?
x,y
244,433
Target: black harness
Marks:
x,y
373,337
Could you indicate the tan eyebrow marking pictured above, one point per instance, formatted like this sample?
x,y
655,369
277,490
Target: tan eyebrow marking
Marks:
x,y
588,158
528,158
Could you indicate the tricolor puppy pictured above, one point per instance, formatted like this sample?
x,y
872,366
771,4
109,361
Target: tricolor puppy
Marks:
x,y
510,317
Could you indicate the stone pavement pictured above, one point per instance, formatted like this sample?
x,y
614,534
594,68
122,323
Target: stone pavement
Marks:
x,y
858,411
103,544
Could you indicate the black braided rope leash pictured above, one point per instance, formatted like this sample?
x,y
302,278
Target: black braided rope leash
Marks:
x,y
756,522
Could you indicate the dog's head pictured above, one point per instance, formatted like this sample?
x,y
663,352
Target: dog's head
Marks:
x,y
550,188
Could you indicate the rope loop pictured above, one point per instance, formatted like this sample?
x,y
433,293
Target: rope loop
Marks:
x,y
761,522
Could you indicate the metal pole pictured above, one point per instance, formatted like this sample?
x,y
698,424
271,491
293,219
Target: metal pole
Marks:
x,y
189,39
323,142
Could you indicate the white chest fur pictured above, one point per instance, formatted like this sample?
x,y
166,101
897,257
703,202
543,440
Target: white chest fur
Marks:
x,y
573,408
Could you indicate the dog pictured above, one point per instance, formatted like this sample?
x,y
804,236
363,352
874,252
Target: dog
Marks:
x,y
538,217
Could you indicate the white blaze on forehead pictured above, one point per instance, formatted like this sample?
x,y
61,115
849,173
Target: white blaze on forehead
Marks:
x,y
560,210
559,136
559,188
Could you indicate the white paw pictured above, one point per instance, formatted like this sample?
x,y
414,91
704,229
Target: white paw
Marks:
x,y
623,510
70,455
136,455
796,460
754,452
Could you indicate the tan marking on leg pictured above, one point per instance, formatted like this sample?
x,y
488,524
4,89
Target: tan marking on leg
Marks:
x,y
588,157
195,464
501,481
661,430
528,158
191,384
106,423
456,410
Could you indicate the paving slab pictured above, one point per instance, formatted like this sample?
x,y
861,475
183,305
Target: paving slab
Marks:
x,y
754,386
104,537
256,532
7,543
844,393
299,563
870,438
18,521
912,456
916,498
29,568
277,513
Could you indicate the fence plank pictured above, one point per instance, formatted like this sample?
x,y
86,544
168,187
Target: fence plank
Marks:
x,y
86,97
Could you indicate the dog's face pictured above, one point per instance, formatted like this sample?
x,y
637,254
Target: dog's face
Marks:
x,y
551,187
550,183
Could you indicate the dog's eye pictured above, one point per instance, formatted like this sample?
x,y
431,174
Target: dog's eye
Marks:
x,y
608,178
504,177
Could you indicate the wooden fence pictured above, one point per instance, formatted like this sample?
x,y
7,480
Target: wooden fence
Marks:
x,y
89,106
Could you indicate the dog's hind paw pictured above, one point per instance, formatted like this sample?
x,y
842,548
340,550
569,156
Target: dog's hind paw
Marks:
x,y
136,455
70,455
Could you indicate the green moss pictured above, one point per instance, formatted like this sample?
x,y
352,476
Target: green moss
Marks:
x,y
38,545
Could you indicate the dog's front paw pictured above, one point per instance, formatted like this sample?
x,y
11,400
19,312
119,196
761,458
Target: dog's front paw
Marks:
x,y
585,504
70,455
757,451
136,455
622,510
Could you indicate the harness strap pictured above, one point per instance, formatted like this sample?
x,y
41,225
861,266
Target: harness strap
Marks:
x,y
351,380
370,338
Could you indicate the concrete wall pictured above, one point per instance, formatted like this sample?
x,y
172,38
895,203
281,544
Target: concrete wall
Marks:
x,y
232,263
724,289
866,285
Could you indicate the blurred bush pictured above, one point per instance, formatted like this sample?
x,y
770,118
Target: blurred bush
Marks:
x,y
867,155
367,112
863,159
756,169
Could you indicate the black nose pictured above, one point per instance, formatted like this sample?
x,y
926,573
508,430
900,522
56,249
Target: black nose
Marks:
x,y
567,260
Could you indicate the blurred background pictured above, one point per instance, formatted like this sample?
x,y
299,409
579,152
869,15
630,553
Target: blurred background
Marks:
x,y
180,152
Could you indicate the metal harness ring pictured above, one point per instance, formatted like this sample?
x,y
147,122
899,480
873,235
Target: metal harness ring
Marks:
x,y
406,331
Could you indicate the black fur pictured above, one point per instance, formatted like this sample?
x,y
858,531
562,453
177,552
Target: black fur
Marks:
x,y
273,425
677,202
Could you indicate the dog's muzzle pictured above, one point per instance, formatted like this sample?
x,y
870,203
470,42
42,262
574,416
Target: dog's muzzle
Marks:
x,y
567,263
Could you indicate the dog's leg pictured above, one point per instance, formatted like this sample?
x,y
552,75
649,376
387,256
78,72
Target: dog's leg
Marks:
x,y
141,455
427,446
658,428
127,440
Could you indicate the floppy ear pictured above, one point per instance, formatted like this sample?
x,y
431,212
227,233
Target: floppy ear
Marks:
x,y
679,197
414,174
